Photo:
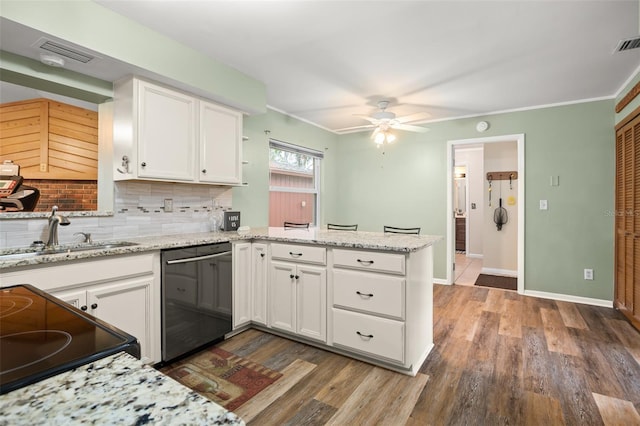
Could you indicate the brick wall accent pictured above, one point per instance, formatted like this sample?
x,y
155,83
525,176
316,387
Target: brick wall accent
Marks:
x,y
68,195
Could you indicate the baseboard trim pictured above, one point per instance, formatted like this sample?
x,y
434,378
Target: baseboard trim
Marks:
x,y
440,281
475,256
569,298
500,272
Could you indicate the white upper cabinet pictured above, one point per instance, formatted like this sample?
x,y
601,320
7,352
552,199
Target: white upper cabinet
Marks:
x,y
164,134
220,144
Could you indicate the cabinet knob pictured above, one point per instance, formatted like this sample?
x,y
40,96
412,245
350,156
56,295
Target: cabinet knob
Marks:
x,y
297,277
204,171
291,276
261,254
83,307
143,164
94,305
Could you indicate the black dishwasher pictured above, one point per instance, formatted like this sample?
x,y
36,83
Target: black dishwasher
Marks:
x,y
196,298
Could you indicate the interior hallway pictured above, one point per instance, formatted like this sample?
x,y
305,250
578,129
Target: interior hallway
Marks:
x,y
467,269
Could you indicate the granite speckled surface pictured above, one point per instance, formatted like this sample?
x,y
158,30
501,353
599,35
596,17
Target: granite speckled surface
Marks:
x,y
16,257
117,390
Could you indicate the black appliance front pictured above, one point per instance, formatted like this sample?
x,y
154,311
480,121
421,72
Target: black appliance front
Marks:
x,y
196,298
41,336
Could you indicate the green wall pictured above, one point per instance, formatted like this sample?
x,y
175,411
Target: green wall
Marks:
x,y
405,185
253,200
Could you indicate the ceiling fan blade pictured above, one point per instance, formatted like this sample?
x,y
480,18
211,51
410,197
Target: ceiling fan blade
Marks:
x,y
348,129
410,128
413,117
375,132
372,120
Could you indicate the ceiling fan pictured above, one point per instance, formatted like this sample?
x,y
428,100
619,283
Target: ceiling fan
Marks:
x,y
383,121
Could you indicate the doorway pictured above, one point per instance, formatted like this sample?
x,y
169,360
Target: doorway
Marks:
x,y
464,267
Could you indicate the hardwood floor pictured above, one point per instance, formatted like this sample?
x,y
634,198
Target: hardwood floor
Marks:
x,y
499,359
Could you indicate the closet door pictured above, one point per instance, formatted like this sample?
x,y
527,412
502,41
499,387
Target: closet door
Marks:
x,y
627,221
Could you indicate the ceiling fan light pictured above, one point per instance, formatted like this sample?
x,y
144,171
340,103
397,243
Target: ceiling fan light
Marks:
x,y
390,137
379,138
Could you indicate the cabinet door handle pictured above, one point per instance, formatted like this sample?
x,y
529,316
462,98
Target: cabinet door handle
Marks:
x,y
297,277
180,289
143,164
94,305
366,262
292,276
261,254
83,307
204,171
364,294
295,254
368,336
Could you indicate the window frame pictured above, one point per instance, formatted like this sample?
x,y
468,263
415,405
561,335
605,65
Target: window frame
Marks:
x,y
317,157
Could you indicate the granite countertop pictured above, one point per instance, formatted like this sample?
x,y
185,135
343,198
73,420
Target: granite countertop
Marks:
x,y
13,257
115,390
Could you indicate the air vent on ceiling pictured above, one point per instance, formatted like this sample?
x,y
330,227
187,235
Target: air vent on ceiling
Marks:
x,y
62,50
628,44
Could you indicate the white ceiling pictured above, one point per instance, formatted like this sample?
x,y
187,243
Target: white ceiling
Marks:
x,y
324,61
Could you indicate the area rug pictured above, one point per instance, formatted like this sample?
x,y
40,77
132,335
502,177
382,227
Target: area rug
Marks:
x,y
496,281
222,377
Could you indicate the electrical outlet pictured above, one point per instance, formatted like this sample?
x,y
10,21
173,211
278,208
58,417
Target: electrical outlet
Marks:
x,y
588,274
168,205
544,205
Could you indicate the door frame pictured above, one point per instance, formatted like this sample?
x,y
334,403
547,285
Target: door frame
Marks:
x,y
519,138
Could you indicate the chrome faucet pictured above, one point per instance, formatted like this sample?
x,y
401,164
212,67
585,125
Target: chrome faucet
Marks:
x,y
54,220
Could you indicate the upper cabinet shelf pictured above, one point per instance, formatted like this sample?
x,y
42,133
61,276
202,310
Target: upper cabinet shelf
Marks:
x,y
167,135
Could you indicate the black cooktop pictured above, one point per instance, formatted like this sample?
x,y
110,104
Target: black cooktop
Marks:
x,y
41,336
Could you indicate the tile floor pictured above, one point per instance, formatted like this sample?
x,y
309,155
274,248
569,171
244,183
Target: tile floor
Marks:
x,y
467,269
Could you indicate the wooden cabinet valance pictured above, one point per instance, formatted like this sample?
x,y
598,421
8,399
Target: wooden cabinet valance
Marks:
x,y
49,139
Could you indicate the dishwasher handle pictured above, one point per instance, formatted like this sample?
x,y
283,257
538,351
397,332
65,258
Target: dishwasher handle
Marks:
x,y
195,259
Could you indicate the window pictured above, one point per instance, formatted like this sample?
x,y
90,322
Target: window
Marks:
x,y
294,184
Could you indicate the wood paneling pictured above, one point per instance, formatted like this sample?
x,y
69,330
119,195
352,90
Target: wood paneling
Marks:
x,y
50,140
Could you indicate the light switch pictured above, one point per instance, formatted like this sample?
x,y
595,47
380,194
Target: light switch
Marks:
x,y
555,180
543,205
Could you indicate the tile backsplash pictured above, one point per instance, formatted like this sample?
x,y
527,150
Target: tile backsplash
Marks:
x,y
138,211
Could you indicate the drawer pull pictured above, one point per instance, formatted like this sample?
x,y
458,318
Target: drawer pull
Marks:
x,y
366,262
180,289
295,254
368,336
364,294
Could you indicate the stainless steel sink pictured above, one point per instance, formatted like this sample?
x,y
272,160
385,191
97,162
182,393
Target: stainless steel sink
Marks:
x,y
35,252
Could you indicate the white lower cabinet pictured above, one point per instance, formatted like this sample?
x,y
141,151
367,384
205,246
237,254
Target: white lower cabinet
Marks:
x,y
242,266
122,290
297,299
125,305
259,279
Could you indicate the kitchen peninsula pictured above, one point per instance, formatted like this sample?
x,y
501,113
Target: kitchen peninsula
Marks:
x,y
367,295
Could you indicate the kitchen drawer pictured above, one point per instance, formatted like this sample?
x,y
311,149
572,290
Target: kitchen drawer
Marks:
x,y
378,337
298,253
370,261
374,293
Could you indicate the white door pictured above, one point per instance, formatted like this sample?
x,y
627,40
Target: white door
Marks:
x,y
242,266
259,277
126,305
76,298
311,296
220,144
282,297
166,133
